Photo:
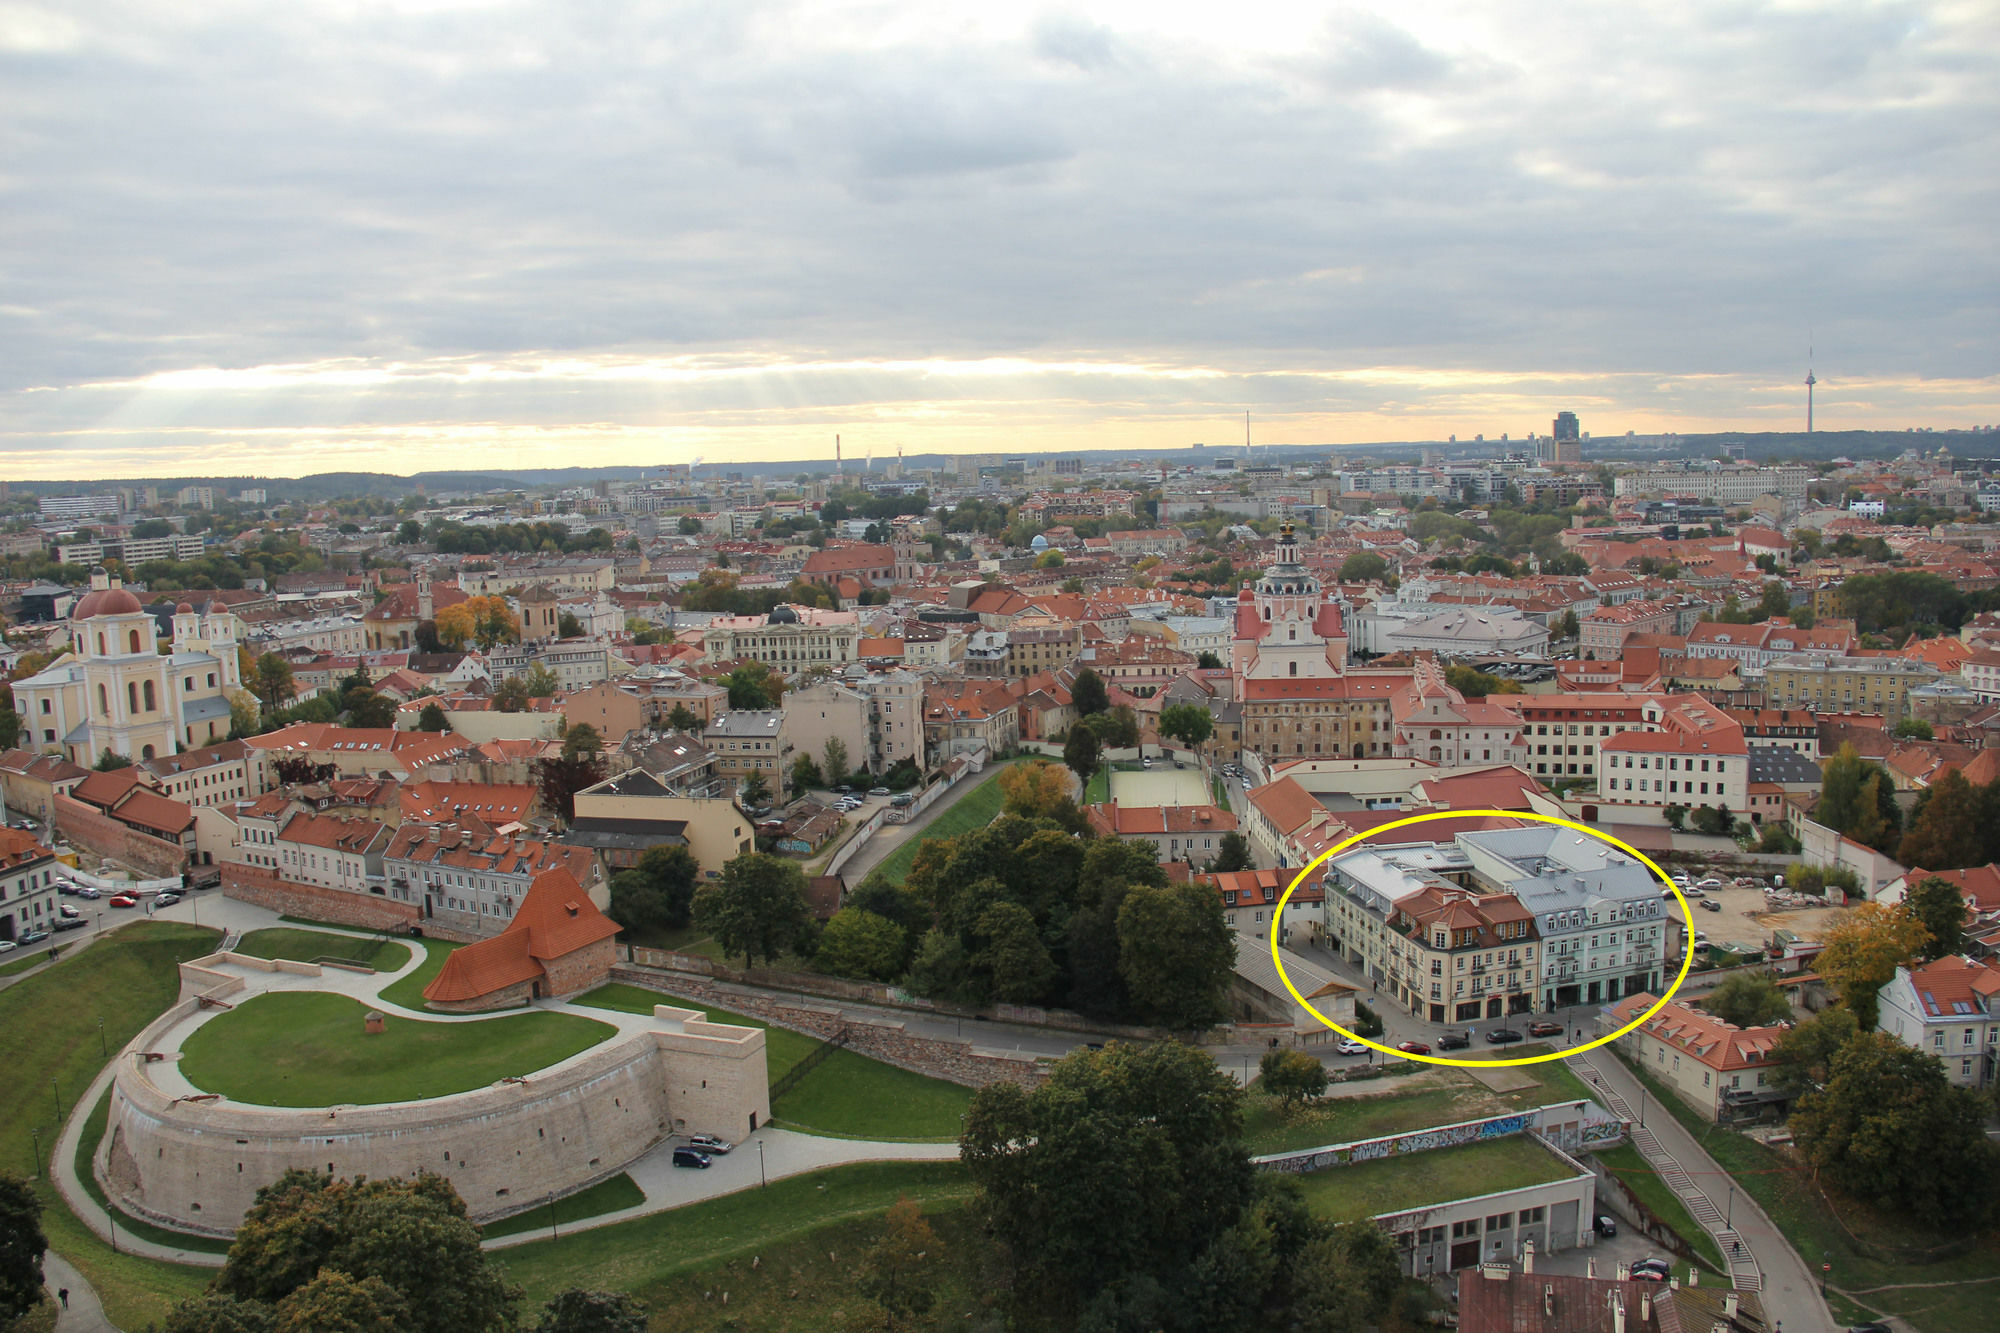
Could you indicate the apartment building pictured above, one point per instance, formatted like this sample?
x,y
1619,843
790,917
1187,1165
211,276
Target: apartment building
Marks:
x,y
1721,1070
1722,485
27,884
1691,754
468,880
751,741
1437,723
789,640
1950,1008
1846,684
1603,632
1561,732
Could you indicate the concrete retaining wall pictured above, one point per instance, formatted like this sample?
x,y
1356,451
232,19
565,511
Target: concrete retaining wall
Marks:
x,y
196,1165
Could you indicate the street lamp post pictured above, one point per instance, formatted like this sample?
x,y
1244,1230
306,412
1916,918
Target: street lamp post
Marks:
x,y
762,1179
36,1132
102,1049
55,1091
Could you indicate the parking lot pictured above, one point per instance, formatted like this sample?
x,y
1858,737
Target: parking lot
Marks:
x,y
1745,918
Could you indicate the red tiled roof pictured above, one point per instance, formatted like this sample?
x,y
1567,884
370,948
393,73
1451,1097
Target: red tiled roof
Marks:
x,y
555,918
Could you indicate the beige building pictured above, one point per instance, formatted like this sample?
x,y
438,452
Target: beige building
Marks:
x,y
1721,1070
1846,684
751,741
621,817
789,640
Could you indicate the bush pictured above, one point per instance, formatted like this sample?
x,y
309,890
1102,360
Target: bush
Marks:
x,y
1369,1023
1817,880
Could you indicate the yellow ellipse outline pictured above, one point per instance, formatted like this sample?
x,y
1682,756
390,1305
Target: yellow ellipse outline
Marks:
x,y
1687,953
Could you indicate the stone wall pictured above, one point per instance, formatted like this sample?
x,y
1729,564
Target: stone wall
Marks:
x,y
955,1061
92,829
263,888
506,1148
507,997
582,969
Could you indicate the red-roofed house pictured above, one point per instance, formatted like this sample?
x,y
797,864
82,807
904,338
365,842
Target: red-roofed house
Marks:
x,y
1950,1008
558,944
1178,832
1716,1067
118,816
1437,723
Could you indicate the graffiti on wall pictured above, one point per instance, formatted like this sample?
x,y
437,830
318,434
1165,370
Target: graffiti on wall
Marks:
x,y
1396,1145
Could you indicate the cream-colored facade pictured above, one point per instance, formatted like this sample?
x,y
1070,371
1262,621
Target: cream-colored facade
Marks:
x,y
789,640
1846,684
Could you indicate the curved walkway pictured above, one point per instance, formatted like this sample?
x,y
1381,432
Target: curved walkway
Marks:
x,y
1760,1258
769,1154
83,1312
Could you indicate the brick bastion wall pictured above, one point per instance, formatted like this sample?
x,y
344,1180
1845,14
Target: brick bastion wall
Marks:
x,y
886,1040
197,1164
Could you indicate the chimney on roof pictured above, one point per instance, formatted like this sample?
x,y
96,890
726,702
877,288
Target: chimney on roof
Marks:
x,y
1730,1304
1646,1305
1528,1256
1590,1268
1624,1271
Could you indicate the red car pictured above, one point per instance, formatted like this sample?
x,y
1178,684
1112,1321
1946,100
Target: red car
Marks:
x,y
1545,1029
124,900
1414,1048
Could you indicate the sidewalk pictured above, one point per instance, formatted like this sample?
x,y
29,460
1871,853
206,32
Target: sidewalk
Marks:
x,y
1766,1263
83,1314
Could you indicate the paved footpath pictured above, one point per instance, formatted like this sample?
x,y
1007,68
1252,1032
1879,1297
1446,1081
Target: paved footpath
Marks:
x,y
83,1314
1761,1258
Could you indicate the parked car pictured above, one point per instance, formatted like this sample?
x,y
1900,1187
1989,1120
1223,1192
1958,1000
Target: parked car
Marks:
x,y
1544,1028
1453,1041
1652,1267
34,936
124,900
878,791
1710,883
844,789
1145,763
167,899
1502,1036
1414,1047
1606,1226
8,946
689,1157
1649,1275
1868,1328
72,923
1710,905
85,891
902,799
708,1143
1348,1046
68,913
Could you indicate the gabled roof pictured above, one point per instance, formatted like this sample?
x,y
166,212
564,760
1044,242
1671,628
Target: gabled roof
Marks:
x,y
555,918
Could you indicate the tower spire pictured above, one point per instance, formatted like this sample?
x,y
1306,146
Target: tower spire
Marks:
x,y
1810,381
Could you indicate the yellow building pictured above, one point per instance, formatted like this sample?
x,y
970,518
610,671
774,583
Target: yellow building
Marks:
x,y
1846,684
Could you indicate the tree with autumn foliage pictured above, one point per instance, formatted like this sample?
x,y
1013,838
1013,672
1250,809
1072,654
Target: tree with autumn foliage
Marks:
x,y
1039,789
1863,949
899,1276
1945,831
484,621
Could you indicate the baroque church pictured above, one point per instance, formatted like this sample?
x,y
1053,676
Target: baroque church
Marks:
x,y
116,690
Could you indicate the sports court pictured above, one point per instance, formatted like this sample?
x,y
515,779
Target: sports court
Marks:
x,y
1163,784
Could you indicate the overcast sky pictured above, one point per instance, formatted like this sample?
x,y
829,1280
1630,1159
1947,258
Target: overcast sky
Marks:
x,y
286,238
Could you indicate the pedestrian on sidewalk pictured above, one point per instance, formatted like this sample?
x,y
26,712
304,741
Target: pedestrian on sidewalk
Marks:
x,y
62,1294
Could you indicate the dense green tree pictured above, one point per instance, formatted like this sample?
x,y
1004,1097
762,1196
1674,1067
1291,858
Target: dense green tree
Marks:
x,y
1088,694
1117,727
1940,906
833,761
21,1246
1177,954
1232,853
409,533
1803,1057
1478,684
1891,1130
1748,1000
1208,661
752,687
568,626
412,1234
1858,799
542,683
900,1273
1899,598
581,740
1291,1076
1012,956
432,718
806,774
1081,753
1346,1281
511,695
755,788
333,1302
560,779
1570,627
270,679
682,718
1914,729
1190,724
1364,567
109,760
366,708
1714,820
1862,950
218,1312
658,893
1945,831
758,908
580,1311
861,944
1039,789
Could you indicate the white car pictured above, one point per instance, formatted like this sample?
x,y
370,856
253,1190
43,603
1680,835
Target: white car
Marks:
x,y
1710,883
1348,1047
708,1143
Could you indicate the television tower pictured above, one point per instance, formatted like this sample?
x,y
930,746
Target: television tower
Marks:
x,y
1810,381
837,473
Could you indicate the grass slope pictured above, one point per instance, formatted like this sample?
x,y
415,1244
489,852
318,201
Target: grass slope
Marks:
x,y
974,810
1940,1297
606,1196
86,1148
50,1039
307,1048
305,945
1392,1184
409,991
848,1096
638,1255
1637,1175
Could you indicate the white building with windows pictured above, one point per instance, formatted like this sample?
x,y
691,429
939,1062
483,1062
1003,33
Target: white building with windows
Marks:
x,y
1950,1008
1604,927
27,885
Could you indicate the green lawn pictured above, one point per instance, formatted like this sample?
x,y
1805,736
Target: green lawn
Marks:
x,y
1392,1184
86,1148
1637,1175
305,945
974,810
48,1025
1933,1298
848,1096
408,991
27,958
636,1255
606,1196
307,1048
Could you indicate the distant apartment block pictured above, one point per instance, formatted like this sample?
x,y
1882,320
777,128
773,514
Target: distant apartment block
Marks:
x,y
78,506
1723,485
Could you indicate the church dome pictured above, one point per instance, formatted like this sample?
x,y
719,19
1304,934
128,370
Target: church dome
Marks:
x,y
106,602
781,614
1040,543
